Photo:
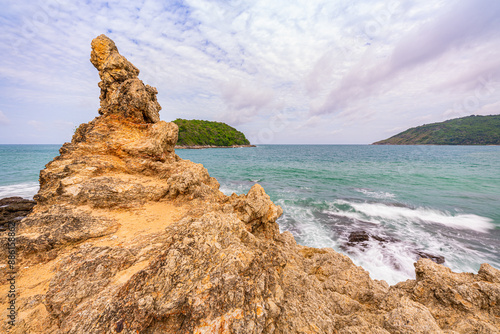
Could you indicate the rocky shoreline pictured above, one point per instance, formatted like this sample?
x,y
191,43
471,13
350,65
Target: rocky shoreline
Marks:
x,y
126,237
199,147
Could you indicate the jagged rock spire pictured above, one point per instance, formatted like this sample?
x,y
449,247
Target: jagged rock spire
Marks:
x,y
121,90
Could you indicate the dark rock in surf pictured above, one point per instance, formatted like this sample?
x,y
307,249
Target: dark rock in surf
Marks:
x,y
13,209
359,239
436,258
358,236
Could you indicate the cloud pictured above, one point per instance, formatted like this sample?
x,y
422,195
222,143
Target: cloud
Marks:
x,y
456,27
244,100
244,96
3,119
484,75
489,109
63,125
37,125
249,62
311,122
395,130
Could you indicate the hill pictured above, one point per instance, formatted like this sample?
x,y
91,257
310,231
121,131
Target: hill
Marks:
x,y
196,133
470,130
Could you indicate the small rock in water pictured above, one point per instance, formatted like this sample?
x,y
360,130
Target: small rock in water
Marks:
x,y
358,236
359,239
436,258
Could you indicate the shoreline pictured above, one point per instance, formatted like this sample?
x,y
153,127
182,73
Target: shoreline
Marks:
x,y
200,147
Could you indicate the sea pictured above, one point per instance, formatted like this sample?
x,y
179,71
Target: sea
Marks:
x,y
404,201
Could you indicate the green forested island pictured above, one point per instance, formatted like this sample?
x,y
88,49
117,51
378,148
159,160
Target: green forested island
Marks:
x,y
200,134
470,130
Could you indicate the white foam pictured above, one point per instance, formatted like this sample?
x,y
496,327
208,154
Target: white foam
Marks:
x,y
229,190
405,228
392,263
407,231
375,194
304,226
24,190
374,212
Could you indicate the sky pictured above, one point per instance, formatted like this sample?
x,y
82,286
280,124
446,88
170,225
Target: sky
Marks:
x,y
281,71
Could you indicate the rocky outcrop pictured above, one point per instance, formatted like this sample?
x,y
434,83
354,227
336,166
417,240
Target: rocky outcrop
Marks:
x,y
121,90
126,237
124,157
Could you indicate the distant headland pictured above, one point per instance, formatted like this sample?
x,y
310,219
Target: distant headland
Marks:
x,y
197,134
470,130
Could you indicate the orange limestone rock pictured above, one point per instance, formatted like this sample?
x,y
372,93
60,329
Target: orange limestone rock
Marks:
x,y
126,237
121,91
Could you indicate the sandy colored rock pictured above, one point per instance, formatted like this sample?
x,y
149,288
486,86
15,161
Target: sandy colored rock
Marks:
x,y
410,317
126,237
121,91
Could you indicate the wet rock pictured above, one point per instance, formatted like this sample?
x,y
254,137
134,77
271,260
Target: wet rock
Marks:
x,y
13,209
436,258
360,239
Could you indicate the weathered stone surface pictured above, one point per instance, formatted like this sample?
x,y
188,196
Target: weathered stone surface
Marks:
x,y
55,226
258,212
126,237
121,91
410,317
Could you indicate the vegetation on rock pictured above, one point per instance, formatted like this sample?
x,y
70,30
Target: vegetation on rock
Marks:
x,y
205,133
470,130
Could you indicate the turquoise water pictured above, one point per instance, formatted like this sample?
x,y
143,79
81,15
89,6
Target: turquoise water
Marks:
x,y
441,200
20,166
